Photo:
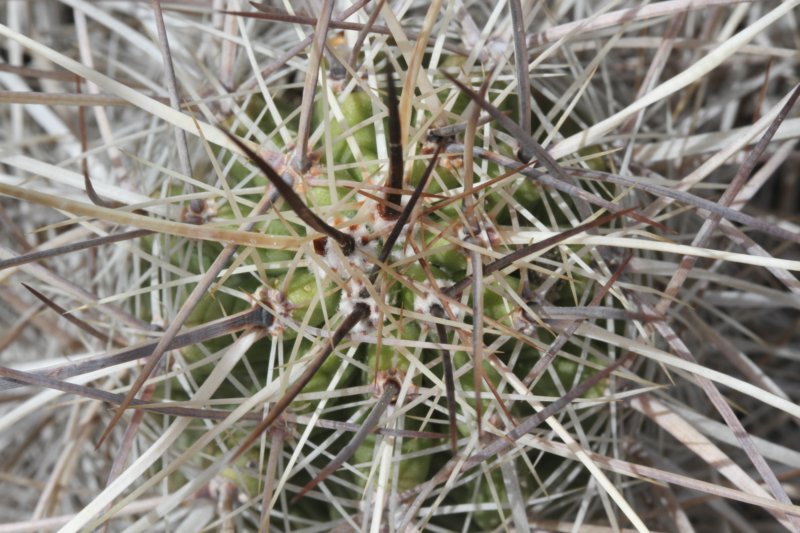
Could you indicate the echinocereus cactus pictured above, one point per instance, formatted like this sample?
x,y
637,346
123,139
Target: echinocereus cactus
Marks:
x,y
398,266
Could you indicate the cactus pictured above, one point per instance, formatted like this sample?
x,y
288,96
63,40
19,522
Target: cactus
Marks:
x,y
424,270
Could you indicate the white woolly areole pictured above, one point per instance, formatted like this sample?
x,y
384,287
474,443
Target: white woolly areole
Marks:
x,y
351,298
424,302
342,265
281,307
380,224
